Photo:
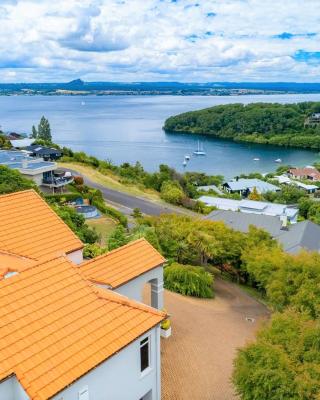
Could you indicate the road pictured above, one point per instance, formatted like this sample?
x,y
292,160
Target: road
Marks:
x,y
126,202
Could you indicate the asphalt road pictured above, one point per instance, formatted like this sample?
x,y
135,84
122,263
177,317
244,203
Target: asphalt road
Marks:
x,y
126,202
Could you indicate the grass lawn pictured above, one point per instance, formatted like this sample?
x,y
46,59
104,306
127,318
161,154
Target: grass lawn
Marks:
x,y
111,181
103,225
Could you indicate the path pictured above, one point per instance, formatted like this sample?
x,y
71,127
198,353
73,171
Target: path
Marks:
x,y
197,359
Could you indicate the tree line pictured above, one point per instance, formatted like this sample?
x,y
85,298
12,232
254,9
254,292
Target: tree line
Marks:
x,y
269,123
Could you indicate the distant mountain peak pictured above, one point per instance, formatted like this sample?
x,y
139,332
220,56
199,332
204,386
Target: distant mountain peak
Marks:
x,y
76,82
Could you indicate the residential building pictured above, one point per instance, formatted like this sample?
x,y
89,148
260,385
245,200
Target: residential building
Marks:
x,y
43,173
68,329
47,153
21,143
294,238
253,207
285,180
310,173
245,186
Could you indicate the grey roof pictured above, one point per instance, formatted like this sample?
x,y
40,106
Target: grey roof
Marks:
x,y
302,235
242,221
243,184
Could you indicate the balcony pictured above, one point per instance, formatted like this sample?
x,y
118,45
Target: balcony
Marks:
x,y
57,182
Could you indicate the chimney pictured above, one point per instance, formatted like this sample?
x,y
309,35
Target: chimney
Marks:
x,y
284,223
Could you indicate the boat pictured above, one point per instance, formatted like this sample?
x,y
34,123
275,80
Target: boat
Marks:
x,y
184,163
256,159
83,103
278,160
187,157
199,151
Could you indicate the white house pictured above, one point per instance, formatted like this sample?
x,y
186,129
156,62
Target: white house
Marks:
x,y
73,329
245,186
40,171
253,207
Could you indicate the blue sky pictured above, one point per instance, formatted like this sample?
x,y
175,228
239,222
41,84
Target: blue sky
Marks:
x,y
160,40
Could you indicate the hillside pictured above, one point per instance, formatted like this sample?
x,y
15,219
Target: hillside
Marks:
x,y
269,123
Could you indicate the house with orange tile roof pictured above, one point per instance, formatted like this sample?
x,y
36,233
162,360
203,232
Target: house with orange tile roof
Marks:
x,y
127,270
63,338
74,329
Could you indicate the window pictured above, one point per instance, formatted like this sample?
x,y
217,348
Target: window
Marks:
x,y
145,354
84,393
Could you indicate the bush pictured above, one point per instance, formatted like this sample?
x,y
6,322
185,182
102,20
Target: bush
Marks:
x,y
172,192
188,280
100,204
118,238
12,181
78,180
62,198
93,250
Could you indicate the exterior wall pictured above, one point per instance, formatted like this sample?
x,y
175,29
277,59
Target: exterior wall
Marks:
x,y
10,389
76,256
35,178
119,378
134,288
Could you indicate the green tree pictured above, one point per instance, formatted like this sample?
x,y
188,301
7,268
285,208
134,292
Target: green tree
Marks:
x,y
34,133
118,238
172,192
188,280
12,181
44,130
284,362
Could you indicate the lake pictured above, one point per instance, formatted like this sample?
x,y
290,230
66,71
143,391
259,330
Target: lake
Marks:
x,y
129,128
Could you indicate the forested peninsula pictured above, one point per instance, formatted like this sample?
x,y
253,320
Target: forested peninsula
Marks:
x,y
296,125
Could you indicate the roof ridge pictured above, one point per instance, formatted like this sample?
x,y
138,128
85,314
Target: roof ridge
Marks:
x,y
123,300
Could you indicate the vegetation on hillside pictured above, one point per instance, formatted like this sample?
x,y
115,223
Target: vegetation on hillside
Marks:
x,y
278,124
12,181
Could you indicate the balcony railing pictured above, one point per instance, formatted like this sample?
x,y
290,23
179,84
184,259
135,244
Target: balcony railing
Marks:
x,y
56,182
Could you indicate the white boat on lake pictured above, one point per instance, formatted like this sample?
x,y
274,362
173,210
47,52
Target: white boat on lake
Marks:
x,y
199,151
256,159
278,160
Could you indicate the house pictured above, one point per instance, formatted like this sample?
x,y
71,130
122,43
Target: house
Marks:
x,y
307,188
68,329
245,186
253,207
47,153
62,338
302,235
21,143
310,173
43,173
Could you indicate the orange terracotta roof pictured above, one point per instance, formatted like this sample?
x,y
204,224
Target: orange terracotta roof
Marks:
x,y
30,228
13,263
55,326
123,264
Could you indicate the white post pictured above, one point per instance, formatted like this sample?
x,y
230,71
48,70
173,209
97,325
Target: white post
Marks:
x,y
157,294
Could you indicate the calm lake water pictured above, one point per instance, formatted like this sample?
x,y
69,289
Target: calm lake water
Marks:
x,y
129,128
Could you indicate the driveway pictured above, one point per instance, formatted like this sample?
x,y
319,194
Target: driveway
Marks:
x,y
197,359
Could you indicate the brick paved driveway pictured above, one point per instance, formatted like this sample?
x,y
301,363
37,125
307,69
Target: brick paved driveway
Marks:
x,y
197,358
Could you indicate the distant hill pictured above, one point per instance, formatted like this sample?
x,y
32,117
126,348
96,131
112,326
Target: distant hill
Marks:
x,y
209,88
295,125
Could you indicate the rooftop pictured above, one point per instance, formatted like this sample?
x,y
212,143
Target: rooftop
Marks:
x,y
243,184
30,228
56,326
21,160
123,264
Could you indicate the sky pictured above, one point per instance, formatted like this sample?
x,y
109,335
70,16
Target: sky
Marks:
x,y
160,40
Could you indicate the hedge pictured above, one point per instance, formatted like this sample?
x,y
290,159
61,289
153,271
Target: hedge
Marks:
x,y
188,280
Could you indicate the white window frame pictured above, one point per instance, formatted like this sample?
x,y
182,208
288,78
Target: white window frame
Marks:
x,y
149,368
83,394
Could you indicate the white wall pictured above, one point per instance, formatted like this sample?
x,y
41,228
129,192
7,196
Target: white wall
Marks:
x,y
76,257
134,288
10,389
119,378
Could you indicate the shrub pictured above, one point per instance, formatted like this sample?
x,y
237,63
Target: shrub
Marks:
x,y
118,238
172,192
100,204
93,250
188,280
78,180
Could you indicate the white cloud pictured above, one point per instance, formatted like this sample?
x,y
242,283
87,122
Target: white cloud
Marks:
x,y
135,40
